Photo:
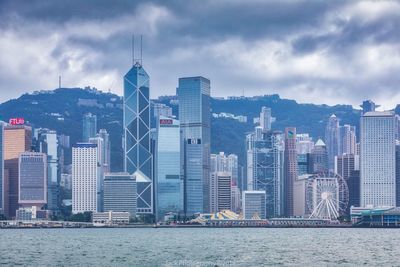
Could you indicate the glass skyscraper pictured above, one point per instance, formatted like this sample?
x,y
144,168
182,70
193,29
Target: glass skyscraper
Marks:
x,y
265,169
89,126
169,186
32,179
137,146
194,116
1,168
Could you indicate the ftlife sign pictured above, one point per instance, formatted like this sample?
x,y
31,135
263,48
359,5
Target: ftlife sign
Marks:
x,y
16,121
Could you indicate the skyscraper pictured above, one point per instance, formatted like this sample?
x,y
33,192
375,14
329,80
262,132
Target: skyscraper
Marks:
x,y
378,159
32,179
265,169
221,191
332,140
17,139
99,142
319,158
290,168
89,126
346,164
347,140
398,175
46,142
368,105
137,145
265,119
85,184
194,115
304,143
1,167
169,186
106,151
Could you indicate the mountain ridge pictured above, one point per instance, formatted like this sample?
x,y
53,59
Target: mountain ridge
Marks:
x,y
62,110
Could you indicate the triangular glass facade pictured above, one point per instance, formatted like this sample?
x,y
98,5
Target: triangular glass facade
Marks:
x,y
138,157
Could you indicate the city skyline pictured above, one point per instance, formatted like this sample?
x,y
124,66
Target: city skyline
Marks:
x,y
312,52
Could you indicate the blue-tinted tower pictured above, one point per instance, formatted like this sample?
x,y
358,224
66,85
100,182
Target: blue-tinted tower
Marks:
x,y
138,159
194,116
89,127
168,185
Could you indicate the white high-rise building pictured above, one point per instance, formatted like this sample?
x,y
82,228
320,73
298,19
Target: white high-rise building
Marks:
x,y
85,184
100,172
377,164
265,119
221,191
304,143
347,142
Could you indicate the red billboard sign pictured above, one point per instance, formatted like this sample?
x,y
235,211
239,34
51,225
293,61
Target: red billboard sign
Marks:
x,y
16,121
166,121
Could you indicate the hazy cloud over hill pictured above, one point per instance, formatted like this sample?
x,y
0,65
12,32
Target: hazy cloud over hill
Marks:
x,y
322,52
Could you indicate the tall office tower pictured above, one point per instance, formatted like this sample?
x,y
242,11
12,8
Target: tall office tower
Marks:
x,y
299,195
250,166
347,142
348,166
99,142
17,139
222,163
265,119
160,109
85,184
345,164
221,191
1,167
258,131
303,164
354,189
304,143
236,199
106,152
398,175
89,127
332,140
168,185
137,143
265,170
32,179
290,168
253,205
194,115
46,142
319,158
120,193
378,159
368,106
224,191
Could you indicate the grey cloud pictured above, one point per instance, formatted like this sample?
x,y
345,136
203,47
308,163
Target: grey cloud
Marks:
x,y
91,40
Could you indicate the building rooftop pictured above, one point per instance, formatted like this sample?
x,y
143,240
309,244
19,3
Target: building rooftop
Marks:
x,y
379,114
320,143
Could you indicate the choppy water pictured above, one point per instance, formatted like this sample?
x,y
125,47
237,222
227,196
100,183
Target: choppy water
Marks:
x,y
200,247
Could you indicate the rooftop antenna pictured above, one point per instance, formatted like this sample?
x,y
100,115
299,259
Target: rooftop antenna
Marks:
x,y
133,49
141,50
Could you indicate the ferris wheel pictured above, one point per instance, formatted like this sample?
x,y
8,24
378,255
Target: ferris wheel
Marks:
x,y
327,196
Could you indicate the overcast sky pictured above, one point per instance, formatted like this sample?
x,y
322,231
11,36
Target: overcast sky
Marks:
x,y
312,51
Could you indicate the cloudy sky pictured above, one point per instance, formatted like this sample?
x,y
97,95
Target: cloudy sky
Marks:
x,y
312,51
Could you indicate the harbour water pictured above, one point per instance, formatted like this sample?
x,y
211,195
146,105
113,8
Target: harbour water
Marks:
x,y
200,247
